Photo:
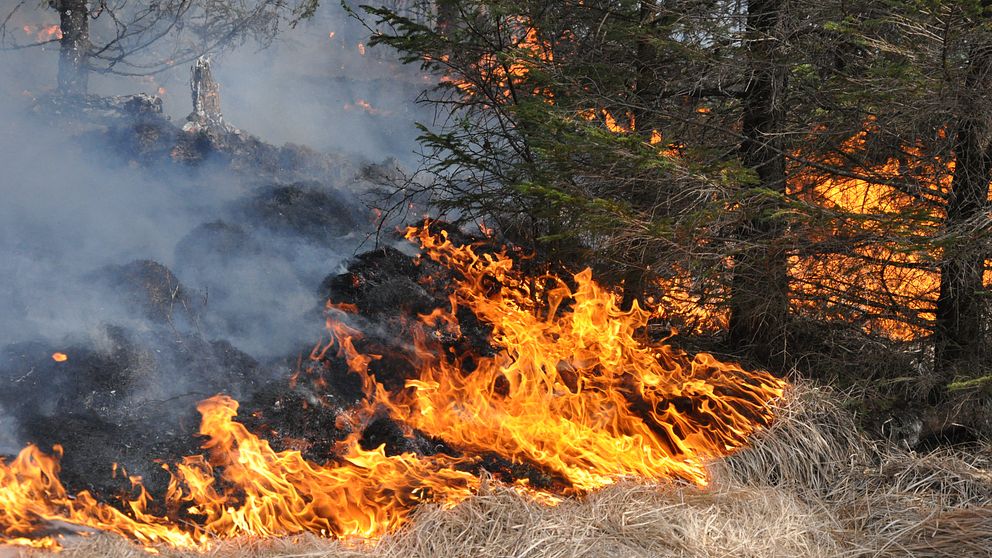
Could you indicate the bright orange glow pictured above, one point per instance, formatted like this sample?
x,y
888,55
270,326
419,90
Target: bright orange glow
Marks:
x,y
892,291
572,390
626,126
257,491
506,77
60,357
878,284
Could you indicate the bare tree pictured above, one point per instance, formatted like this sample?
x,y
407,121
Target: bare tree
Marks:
x,y
132,37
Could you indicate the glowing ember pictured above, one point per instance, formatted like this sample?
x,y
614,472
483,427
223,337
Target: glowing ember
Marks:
x,y
365,106
43,33
572,390
60,357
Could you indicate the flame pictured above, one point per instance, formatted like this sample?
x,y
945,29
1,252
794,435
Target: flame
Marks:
x,y
618,128
506,77
361,49
891,290
561,392
60,357
43,32
572,390
878,285
258,492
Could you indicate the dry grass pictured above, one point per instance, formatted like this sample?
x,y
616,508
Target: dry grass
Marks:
x,y
809,486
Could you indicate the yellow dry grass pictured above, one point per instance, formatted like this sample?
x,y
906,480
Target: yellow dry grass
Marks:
x,y
808,486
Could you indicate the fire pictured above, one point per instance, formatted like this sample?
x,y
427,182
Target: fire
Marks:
x,y
879,285
365,106
894,290
573,389
257,492
361,49
43,32
623,127
570,372
60,357
504,76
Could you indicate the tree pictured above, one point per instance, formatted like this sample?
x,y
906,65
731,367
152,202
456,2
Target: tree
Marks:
x,y
961,315
128,37
759,299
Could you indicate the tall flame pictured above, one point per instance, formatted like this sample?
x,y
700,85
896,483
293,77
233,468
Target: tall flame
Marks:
x,y
573,390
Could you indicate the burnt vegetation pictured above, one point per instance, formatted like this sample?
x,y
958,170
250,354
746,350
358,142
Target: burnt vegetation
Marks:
x,y
801,187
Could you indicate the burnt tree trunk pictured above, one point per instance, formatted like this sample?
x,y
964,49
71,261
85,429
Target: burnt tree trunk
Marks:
x,y
959,331
74,21
759,295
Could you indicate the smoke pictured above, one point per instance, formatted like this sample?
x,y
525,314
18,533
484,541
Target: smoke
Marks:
x,y
82,220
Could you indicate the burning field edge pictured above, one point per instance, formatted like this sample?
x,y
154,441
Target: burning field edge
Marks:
x,y
810,485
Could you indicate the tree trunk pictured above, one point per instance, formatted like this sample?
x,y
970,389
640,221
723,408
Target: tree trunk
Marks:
x,y
637,275
75,46
759,291
959,330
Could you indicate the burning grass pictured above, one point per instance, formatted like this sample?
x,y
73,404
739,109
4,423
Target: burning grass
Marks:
x,y
808,486
562,394
653,452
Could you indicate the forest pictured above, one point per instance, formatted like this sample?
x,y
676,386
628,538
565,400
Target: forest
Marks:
x,y
536,278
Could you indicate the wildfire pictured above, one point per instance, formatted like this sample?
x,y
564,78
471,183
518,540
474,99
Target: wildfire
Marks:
x,y
878,284
570,370
60,357
894,289
505,76
572,390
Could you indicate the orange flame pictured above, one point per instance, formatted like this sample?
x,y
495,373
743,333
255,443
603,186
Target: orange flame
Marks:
x,y
570,370
260,492
887,285
60,357
572,390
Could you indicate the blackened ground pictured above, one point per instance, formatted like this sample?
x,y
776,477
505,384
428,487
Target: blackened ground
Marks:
x,y
126,394
305,209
